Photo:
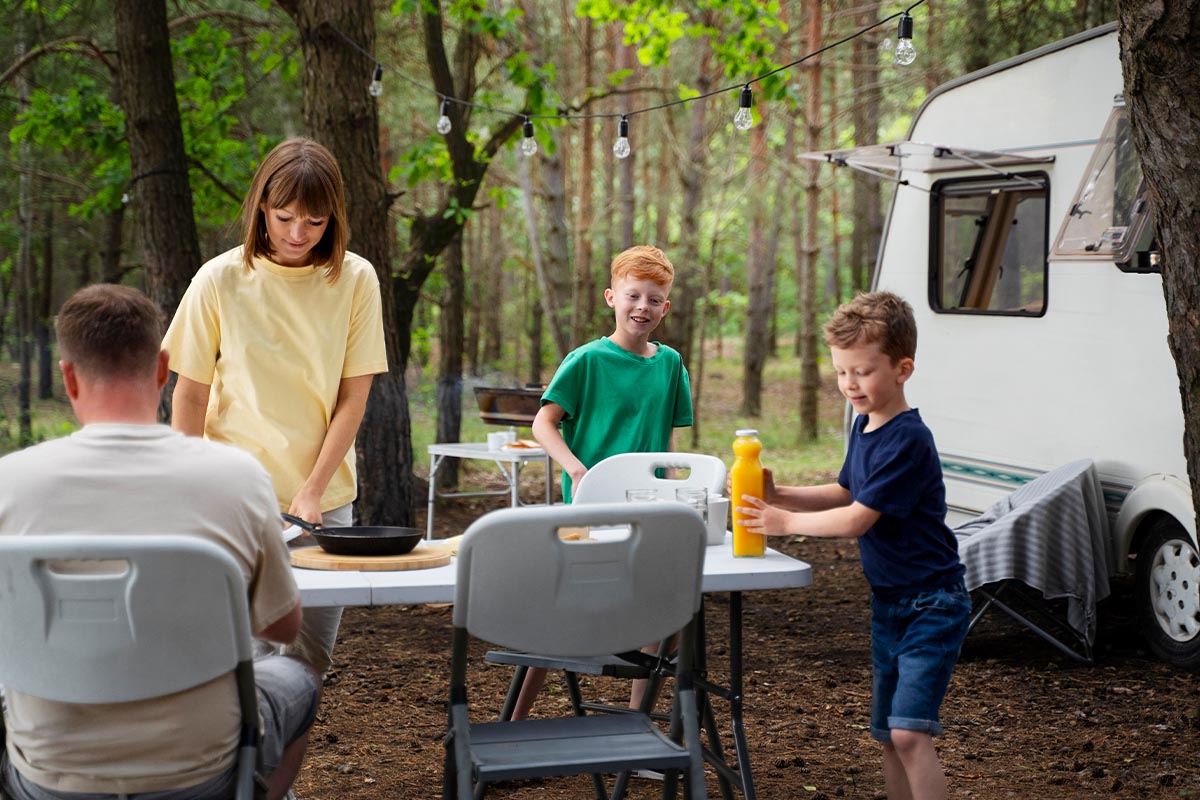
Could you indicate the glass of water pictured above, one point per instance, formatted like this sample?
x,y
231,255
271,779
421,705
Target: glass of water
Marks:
x,y
641,495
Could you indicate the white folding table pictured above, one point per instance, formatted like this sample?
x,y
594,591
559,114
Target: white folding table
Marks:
x,y
510,460
722,573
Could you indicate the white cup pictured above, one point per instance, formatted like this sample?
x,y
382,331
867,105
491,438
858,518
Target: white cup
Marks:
x,y
496,441
718,518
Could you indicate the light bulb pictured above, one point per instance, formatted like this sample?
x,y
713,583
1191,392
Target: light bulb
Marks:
x,y
443,124
905,52
621,145
886,45
125,198
743,120
528,144
376,87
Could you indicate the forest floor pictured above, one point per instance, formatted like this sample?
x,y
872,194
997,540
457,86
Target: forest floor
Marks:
x,y
1022,721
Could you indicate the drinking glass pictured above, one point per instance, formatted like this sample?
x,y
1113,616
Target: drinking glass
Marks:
x,y
641,495
696,498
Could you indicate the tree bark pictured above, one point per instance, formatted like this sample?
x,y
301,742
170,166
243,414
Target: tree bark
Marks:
x,y
23,285
1159,45
688,284
810,379
450,360
758,310
868,215
583,285
42,320
626,202
161,194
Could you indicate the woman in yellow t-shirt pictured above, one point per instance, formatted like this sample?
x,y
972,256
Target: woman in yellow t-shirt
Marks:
x,y
276,342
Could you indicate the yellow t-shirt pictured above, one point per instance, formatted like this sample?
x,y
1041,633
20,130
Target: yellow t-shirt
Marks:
x,y
274,343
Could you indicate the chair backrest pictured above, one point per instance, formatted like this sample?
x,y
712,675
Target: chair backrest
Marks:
x,y
520,586
607,481
164,614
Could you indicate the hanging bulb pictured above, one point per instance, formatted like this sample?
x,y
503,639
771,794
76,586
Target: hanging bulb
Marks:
x,y
125,198
528,144
443,123
905,52
376,87
621,145
886,46
744,118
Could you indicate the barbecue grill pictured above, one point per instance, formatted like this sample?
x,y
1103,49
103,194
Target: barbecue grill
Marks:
x,y
503,406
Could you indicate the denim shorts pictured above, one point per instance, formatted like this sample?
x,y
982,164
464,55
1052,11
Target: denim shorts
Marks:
x,y
914,644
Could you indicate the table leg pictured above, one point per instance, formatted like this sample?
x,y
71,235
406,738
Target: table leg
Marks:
x,y
549,481
735,690
515,483
434,462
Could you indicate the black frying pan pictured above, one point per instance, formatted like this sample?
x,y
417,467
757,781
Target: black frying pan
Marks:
x,y
364,540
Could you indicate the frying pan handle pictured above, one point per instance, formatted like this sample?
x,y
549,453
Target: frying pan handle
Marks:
x,y
311,527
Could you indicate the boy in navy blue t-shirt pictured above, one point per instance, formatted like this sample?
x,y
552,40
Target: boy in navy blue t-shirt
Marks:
x,y
890,496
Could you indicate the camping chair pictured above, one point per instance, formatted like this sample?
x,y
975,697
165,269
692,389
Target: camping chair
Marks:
x,y
521,586
1048,536
607,482
166,614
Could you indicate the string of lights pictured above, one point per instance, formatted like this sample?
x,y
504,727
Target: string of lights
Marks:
x,y
904,55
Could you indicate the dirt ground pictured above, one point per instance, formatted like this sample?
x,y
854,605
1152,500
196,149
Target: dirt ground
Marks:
x,y
1022,721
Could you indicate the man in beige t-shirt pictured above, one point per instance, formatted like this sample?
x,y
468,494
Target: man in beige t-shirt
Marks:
x,y
125,473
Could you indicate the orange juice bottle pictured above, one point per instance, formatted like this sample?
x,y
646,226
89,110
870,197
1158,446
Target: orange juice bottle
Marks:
x,y
747,475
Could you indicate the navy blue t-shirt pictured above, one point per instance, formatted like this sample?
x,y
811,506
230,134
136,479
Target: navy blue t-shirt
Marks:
x,y
895,470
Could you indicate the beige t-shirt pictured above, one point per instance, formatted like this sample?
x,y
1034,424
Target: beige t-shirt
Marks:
x,y
124,478
275,342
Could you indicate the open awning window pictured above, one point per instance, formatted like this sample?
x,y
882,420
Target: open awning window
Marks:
x,y
891,161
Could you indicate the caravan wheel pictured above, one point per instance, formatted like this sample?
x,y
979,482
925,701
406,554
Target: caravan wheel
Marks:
x,y
1168,582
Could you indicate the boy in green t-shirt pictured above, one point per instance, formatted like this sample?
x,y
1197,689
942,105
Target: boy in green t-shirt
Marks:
x,y
621,393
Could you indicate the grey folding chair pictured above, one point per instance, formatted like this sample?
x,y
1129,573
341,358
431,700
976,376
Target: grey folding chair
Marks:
x,y
520,586
166,614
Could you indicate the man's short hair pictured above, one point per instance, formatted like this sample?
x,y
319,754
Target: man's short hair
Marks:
x,y
110,331
643,262
879,318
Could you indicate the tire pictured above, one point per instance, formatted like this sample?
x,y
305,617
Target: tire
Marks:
x,y
1168,591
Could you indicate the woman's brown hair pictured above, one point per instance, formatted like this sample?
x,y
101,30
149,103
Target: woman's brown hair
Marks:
x,y
303,172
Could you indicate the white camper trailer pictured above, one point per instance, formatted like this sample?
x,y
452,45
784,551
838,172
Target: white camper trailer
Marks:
x,y
1021,236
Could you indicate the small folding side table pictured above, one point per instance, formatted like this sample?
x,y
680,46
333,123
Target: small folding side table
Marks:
x,y
510,460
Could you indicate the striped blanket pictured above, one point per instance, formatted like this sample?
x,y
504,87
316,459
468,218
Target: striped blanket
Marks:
x,y
1052,534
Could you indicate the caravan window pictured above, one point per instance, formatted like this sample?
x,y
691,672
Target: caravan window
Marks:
x,y
989,243
1109,215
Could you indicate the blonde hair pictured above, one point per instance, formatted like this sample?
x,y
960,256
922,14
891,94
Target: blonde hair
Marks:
x,y
643,262
303,172
110,331
879,318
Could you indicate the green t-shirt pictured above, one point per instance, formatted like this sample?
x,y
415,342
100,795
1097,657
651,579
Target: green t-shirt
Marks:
x,y
618,402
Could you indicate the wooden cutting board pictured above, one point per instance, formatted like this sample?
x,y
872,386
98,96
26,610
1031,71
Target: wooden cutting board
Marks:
x,y
421,557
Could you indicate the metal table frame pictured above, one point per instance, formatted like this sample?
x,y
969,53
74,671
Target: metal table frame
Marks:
x,y
722,573
510,461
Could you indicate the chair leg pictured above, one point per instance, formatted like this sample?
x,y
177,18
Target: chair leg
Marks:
x,y
514,691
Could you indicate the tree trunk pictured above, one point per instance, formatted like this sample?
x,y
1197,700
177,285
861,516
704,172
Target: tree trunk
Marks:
x,y
494,291
450,360
868,215
23,285
758,310
810,379
583,285
976,48
689,286
111,249
158,163
1159,45
548,298
626,202
42,320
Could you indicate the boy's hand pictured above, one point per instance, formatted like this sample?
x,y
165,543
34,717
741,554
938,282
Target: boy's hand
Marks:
x,y
762,518
576,477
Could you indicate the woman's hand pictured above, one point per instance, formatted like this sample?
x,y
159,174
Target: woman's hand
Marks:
x,y
762,518
307,507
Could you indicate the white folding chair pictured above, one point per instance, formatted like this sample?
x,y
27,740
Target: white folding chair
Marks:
x,y
169,613
607,481
521,586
